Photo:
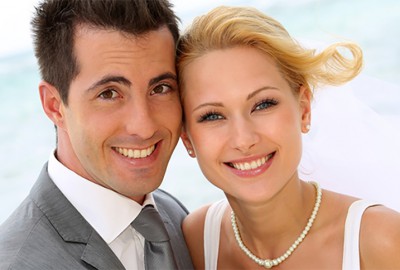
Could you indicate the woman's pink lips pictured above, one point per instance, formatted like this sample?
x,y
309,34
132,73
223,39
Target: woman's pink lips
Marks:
x,y
251,172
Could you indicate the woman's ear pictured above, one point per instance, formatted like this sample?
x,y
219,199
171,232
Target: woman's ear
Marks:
x,y
188,144
305,98
51,103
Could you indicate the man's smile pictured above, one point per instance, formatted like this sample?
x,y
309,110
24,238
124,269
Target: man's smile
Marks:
x,y
136,153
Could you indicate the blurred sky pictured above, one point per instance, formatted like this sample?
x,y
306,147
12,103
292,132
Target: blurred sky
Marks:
x,y
15,18
373,24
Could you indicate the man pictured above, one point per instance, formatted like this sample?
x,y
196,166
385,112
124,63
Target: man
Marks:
x,y
110,88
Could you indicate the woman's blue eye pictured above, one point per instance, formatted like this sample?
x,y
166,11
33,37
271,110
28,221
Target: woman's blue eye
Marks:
x,y
265,104
210,116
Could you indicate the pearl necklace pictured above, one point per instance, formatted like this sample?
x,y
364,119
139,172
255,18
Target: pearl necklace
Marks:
x,y
268,263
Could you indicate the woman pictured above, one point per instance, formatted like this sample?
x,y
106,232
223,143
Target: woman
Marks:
x,y
246,89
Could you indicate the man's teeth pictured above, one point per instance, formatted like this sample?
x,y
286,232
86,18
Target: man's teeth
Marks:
x,y
244,166
136,153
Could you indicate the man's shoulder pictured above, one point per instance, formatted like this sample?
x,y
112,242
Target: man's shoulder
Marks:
x,y
173,212
163,197
21,222
29,240
21,234
169,206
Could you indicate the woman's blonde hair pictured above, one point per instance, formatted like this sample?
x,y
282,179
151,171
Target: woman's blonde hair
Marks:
x,y
227,27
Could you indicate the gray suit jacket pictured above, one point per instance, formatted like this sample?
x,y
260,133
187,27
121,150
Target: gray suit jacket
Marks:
x,y
47,232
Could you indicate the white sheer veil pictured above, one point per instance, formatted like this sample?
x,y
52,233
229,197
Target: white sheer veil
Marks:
x,y
353,146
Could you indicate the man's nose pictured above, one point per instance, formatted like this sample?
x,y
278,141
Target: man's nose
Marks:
x,y
140,119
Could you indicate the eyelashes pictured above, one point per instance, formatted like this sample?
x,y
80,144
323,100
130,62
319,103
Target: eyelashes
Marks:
x,y
214,115
210,116
109,94
265,104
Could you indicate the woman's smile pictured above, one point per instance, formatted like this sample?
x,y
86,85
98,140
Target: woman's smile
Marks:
x,y
251,167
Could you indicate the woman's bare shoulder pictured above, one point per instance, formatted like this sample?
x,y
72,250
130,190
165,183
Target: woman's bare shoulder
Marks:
x,y
380,238
335,207
194,222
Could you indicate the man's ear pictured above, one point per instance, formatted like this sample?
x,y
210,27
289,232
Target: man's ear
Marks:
x,y
305,98
187,142
51,103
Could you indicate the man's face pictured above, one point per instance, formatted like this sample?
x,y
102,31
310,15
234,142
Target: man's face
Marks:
x,y
123,117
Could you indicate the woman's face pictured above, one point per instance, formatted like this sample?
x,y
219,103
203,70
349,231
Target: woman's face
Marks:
x,y
243,122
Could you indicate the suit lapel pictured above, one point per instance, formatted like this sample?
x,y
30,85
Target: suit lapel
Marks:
x,y
97,254
172,214
70,224
167,222
175,239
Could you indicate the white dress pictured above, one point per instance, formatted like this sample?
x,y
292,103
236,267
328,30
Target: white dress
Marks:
x,y
351,254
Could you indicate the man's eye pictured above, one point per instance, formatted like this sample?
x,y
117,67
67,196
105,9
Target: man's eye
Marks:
x,y
161,89
109,94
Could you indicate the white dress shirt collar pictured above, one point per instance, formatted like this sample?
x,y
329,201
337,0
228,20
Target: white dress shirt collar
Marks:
x,y
108,212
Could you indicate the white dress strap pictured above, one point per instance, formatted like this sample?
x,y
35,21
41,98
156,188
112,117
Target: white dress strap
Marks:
x,y
212,228
351,251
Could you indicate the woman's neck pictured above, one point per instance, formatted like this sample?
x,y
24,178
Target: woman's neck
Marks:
x,y
269,228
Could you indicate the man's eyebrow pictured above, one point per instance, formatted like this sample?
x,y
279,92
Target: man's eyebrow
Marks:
x,y
108,79
164,76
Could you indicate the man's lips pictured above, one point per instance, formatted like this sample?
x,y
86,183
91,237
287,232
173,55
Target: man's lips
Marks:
x,y
136,153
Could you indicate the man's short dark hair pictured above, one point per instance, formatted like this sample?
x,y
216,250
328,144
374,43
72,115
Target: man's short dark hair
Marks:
x,y
55,21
